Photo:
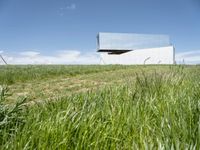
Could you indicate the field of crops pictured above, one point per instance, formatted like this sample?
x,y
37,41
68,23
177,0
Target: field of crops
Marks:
x,y
100,107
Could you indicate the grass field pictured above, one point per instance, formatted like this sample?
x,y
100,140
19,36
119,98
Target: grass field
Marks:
x,y
100,107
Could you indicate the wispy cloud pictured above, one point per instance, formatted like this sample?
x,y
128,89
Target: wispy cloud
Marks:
x,y
68,7
62,57
30,53
71,6
188,57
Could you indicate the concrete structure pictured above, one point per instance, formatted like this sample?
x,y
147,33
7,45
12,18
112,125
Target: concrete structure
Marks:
x,y
125,48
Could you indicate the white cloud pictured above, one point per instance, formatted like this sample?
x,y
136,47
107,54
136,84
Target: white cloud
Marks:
x,y
72,54
188,57
71,6
1,52
62,57
30,53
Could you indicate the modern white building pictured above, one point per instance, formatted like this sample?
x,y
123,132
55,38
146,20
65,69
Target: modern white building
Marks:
x,y
126,48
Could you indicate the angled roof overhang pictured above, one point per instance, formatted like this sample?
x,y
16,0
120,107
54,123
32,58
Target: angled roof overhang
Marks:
x,y
109,51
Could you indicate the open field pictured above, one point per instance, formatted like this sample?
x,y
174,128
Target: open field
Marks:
x,y
100,107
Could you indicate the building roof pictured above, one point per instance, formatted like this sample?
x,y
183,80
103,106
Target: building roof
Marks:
x,y
117,43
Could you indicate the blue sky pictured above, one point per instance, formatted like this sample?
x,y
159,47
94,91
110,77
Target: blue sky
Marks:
x,y
50,28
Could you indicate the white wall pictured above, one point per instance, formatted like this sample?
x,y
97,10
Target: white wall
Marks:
x,y
162,55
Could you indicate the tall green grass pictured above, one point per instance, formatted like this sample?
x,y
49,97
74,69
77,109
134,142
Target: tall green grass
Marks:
x,y
155,111
11,117
11,74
